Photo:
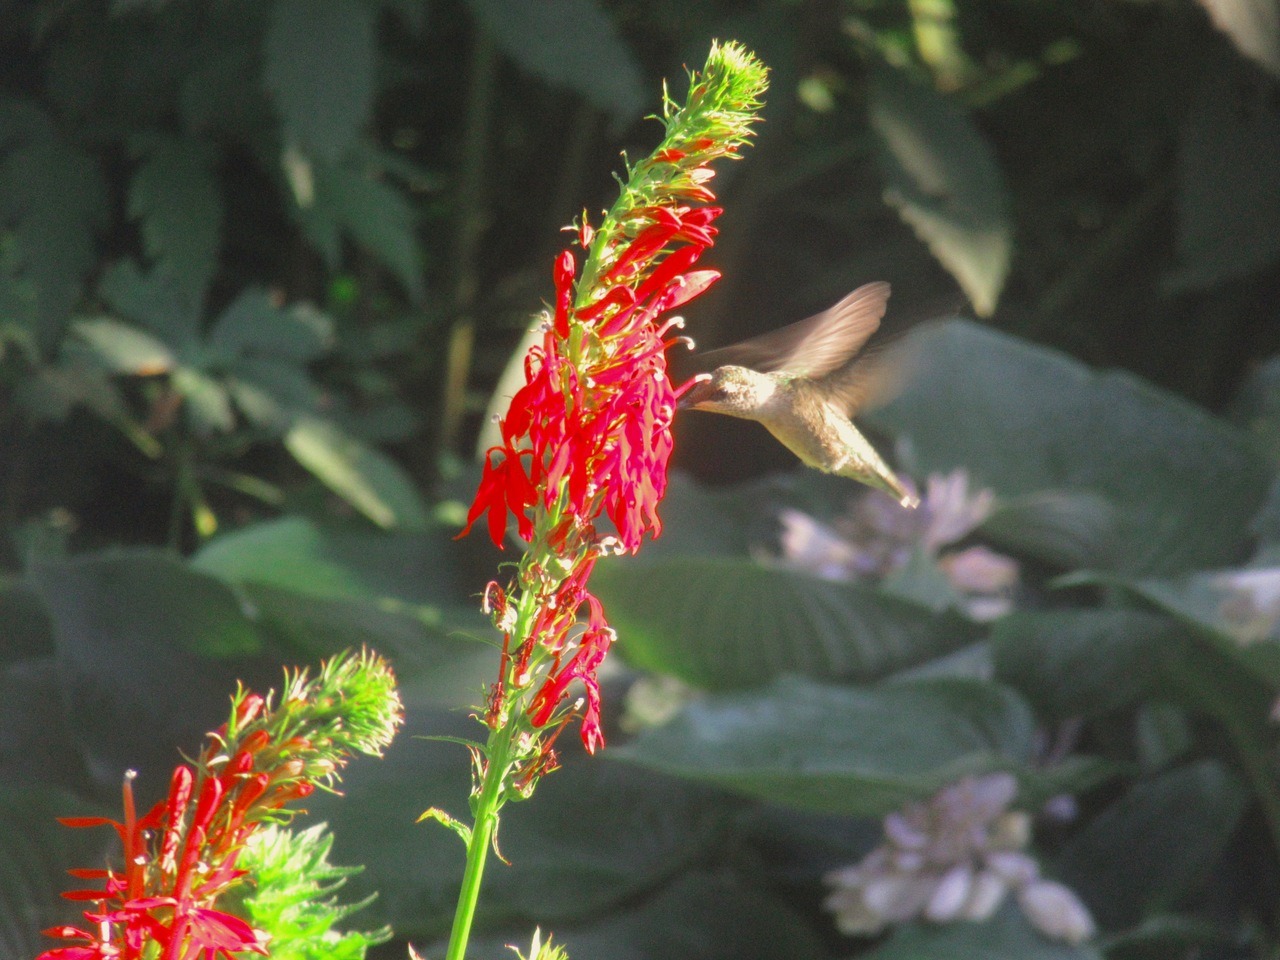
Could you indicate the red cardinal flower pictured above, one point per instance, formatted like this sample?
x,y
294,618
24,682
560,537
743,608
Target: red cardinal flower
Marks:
x,y
181,855
587,438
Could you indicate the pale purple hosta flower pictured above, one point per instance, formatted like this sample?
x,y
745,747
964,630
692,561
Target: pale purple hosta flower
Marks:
x,y
953,513
1251,606
955,857
877,538
1056,911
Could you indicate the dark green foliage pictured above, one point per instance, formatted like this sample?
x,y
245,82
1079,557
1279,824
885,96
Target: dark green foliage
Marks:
x,y
262,264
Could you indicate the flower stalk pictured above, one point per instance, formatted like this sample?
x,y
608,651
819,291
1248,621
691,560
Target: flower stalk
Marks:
x,y
581,466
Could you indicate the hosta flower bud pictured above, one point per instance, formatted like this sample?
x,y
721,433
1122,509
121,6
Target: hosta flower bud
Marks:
x,y
950,896
1056,911
986,896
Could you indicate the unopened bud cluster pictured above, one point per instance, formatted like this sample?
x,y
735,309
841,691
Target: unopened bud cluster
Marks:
x,y
956,857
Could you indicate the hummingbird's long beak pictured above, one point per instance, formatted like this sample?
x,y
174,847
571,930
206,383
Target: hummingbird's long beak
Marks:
x,y
693,391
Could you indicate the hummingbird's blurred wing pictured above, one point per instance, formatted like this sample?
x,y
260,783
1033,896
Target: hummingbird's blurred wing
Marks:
x,y
812,347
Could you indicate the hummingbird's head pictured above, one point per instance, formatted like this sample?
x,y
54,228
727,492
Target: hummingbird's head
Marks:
x,y
737,391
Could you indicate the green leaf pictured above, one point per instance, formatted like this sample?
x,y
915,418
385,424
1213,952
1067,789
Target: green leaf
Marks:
x,y
1228,183
569,43
295,553
1067,529
252,325
724,622
1155,844
1234,610
55,198
1006,936
944,180
1081,662
368,480
155,300
149,651
857,751
374,214
1025,420
567,861
319,69
37,852
123,348
178,201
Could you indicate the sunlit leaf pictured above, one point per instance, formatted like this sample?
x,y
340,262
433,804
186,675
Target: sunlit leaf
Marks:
x,y
369,480
1252,25
123,348
943,179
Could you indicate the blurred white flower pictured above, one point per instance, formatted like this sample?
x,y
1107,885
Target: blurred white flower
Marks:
x,y
955,857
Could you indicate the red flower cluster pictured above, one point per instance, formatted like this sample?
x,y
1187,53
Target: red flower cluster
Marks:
x,y
181,855
590,433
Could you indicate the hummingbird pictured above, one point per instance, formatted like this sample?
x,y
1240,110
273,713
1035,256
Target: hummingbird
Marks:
x,y
803,383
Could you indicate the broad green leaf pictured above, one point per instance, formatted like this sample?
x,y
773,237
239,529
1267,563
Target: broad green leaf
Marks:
x,y
123,348
320,71
1006,936
55,199
1235,610
252,325
698,916
295,553
37,852
943,178
179,204
149,652
599,835
367,479
724,622
374,214
1068,529
569,43
857,751
155,300
1228,183
1082,662
1155,844
1024,420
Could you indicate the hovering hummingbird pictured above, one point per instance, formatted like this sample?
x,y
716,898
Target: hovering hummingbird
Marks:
x,y
803,384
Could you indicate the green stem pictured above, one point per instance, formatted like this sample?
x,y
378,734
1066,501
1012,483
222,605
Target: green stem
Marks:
x,y
486,822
